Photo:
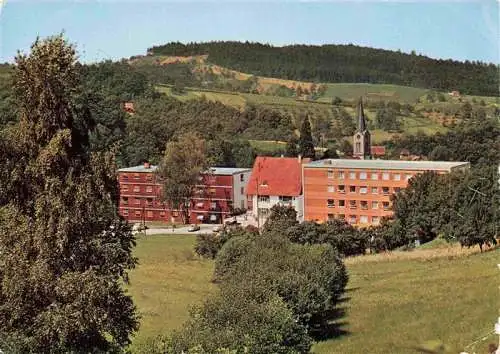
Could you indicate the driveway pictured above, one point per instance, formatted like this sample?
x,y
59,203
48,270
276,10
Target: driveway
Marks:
x,y
157,230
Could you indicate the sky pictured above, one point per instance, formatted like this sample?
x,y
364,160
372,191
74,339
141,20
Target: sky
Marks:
x,y
114,29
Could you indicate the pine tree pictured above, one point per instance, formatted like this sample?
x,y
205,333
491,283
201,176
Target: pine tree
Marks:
x,y
64,250
306,145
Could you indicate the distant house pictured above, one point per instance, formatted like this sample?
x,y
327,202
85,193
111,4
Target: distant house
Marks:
x,y
129,107
377,150
275,180
454,94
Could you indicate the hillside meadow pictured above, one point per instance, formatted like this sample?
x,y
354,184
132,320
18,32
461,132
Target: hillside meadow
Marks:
x,y
395,303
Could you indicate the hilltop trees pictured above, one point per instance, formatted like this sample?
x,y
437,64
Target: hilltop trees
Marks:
x,y
64,250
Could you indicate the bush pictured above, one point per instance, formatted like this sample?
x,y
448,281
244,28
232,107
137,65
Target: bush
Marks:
x,y
208,245
243,318
230,253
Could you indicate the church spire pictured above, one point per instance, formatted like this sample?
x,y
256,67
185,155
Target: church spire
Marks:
x,y
361,139
361,116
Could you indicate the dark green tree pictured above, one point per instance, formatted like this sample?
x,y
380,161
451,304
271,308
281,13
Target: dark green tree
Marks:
x,y
306,145
291,146
64,250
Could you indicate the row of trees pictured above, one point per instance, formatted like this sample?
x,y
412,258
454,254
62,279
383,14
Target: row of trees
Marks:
x,y
343,63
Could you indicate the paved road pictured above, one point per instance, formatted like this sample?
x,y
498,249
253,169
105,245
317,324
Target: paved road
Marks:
x,y
179,230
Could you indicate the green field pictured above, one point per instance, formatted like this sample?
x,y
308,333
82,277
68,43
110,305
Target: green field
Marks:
x,y
395,302
349,91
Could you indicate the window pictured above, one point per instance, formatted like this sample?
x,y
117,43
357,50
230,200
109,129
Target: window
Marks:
x,y
374,190
341,203
397,177
374,176
363,219
149,189
213,205
352,204
137,201
149,177
385,190
125,212
137,213
364,204
285,199
341,216
125,200
375,220
264,199
341,175
242,177
331,203
125,188
374,205
352,175
175,213
362,175
331,216
137,188
162,214
149,214
330,174
341,189
150,201
212,191
363,189
385,205
352,219
136,176
263,212
242,190
352,189
331,189
385,176
125,177
396,189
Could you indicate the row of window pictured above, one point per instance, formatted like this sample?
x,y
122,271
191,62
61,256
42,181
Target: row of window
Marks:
x,y
150,202
282,199
353,219
137,177
385,176
149,213
353,204
137,189
362,189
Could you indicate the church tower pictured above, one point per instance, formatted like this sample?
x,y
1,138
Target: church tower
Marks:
x,y
361,139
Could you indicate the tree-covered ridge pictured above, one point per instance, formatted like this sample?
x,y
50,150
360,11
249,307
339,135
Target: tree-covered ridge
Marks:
x,y
343,63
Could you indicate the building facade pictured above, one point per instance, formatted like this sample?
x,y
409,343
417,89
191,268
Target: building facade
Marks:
x,y
275,180
219,192
359,191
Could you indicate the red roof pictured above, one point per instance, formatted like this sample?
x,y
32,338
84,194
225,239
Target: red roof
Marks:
x,y
276,176
377,150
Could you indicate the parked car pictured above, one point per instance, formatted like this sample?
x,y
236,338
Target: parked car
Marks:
x,y
218,228
193,228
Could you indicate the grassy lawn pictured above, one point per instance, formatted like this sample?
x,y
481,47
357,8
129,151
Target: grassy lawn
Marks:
x,y
396,302
167,282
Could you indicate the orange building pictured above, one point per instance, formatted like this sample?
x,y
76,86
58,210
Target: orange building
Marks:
x,y
359,191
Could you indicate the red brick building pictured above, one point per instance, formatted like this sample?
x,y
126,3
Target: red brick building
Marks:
x,y
220,191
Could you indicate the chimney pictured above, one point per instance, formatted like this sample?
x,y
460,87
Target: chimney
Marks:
x,y
147,164
299,158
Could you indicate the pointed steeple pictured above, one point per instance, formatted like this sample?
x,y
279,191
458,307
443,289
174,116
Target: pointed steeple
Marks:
x,y
361,116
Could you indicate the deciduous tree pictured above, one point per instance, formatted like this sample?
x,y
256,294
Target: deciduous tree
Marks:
x,y
181,168
64,250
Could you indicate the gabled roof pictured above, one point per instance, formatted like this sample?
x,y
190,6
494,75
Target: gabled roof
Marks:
x,y
276,176
377,150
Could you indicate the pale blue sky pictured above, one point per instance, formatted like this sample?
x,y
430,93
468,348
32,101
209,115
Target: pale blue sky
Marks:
x,y
116,29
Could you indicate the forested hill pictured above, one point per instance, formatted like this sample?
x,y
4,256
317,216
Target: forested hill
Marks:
x,y
343,63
